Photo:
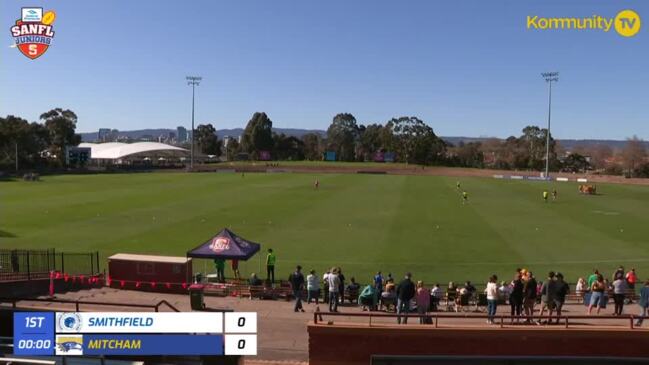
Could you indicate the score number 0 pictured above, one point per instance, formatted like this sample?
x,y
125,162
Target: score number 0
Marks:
x,y
241,333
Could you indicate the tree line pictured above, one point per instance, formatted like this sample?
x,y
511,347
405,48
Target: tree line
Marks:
x,y
408,138
37,144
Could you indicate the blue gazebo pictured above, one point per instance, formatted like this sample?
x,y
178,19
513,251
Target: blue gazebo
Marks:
x,y
225,245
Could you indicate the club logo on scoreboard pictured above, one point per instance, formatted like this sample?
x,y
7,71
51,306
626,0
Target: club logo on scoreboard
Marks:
x,y
220,244
68,322
69,344
33,32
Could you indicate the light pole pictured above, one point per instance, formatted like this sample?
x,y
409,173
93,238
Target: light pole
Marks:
x,y
549,78
193,81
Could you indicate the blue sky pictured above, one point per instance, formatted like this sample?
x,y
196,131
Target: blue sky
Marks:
x,y
465,67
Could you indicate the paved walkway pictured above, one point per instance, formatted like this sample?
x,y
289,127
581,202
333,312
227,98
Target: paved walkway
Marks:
x,y
282,333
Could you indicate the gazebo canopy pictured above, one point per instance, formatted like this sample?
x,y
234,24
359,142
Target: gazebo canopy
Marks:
x,y
225,245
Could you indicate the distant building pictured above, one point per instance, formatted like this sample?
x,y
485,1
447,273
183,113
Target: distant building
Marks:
x,y
103,133
107,135
181,133
226,140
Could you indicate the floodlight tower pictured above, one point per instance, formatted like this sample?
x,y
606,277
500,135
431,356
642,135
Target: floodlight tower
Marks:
x,y
193,81
549,78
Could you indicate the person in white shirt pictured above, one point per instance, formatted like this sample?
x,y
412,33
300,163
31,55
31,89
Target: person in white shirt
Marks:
x,y
436,295
504,290
492,298
334,286
312,287
325,286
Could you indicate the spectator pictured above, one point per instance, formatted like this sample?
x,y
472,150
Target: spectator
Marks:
x,y
631,279
580,288
563,289
254,280
219,263
643,303
367,299
548,296
271,259
516,297
591,279
334,289
235,269
405,293
469,288
341,288
492,298
504,291
619,272
620,288
451,288
389,295
325,286
352,290
436,295
597,294
423,301
312,287
389,279
529,295
378,281
297,284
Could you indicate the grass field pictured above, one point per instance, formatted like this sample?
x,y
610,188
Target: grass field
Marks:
x,y
362,223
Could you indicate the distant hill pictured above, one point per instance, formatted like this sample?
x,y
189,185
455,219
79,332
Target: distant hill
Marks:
x,y
296,132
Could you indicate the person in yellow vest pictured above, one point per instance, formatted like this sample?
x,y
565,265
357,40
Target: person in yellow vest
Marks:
x,y
465,197
270,265
545,196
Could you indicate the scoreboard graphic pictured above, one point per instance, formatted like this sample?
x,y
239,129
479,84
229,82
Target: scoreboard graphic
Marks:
x,y
135,333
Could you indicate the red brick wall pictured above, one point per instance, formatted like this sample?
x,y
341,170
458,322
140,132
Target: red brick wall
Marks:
x,y
339,344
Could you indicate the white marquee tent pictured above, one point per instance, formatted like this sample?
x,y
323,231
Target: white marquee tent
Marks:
x,y
133,151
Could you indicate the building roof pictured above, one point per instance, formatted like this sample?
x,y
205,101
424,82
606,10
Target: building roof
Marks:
x,y
118,150
150,258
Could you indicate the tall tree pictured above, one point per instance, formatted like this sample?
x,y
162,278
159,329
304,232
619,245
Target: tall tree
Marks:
x,y
312,146
469,154
61,125
27,139
288,147
232,149
633,154
258,135
415,141
207,140
371,140
575,163
342,135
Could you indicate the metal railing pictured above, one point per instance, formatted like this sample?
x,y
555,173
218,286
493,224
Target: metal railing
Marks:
x,y
18,264
501,320
78,303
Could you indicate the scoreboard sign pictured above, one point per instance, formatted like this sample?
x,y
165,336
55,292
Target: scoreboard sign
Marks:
x,y
77,156
135,333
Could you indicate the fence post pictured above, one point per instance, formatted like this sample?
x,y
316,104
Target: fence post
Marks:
x,y
62,262
92,262
97,257
76,306
29,277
